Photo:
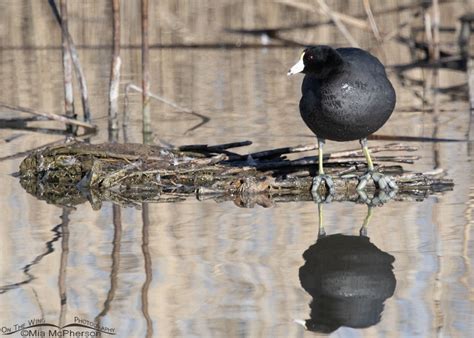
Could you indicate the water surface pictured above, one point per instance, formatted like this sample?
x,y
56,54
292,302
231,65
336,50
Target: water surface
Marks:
x,y
201,268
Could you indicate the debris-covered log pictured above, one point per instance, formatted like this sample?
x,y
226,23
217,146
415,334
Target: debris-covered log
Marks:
x,y
133,173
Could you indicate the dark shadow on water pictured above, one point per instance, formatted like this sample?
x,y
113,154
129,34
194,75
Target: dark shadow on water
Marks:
x,y
22,124
349,279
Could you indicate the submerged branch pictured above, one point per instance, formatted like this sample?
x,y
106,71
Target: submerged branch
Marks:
x,y
130,174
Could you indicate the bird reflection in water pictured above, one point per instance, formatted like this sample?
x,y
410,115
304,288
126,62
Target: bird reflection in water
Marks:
x,y
349,279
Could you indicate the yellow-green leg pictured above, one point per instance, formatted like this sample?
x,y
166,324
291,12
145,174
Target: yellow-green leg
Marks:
x,y
365,148
321,231
363,229
321,177
320,158
380,180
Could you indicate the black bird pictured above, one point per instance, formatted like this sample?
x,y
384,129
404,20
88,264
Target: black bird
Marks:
x,y
346,96
349,279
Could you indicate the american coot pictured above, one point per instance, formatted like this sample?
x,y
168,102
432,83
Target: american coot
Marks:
x,y
349,279
346,96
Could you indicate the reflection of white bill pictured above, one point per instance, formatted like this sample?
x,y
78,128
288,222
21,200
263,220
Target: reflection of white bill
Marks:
x,y
301,322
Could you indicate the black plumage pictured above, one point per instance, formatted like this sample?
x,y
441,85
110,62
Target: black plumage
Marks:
x,y
346,93
346,96
349,279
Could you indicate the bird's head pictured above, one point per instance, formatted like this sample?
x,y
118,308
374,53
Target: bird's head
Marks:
x,y
319,61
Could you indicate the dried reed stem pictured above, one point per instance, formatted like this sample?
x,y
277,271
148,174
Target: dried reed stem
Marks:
x,y
67,66
373,24
347,19
115,69
435,28
126,114
470,81
337,21
429,34
77,65
82,82
145,74
464,35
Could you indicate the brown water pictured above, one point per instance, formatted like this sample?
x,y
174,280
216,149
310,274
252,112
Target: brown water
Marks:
x,y
212,269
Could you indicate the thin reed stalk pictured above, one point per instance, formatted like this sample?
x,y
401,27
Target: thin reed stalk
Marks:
x,y
115,73
67,67
435,28
145,74
77,64
337,21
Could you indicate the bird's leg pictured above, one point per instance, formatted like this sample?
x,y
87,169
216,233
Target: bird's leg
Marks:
x,y
381,181
363,229
321,231
321,177
320,156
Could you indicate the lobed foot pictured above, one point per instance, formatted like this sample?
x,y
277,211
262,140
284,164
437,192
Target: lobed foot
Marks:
x,y
381,181
381,197
317,181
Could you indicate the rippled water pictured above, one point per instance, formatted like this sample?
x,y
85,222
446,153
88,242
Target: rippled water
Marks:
x,y
207,269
